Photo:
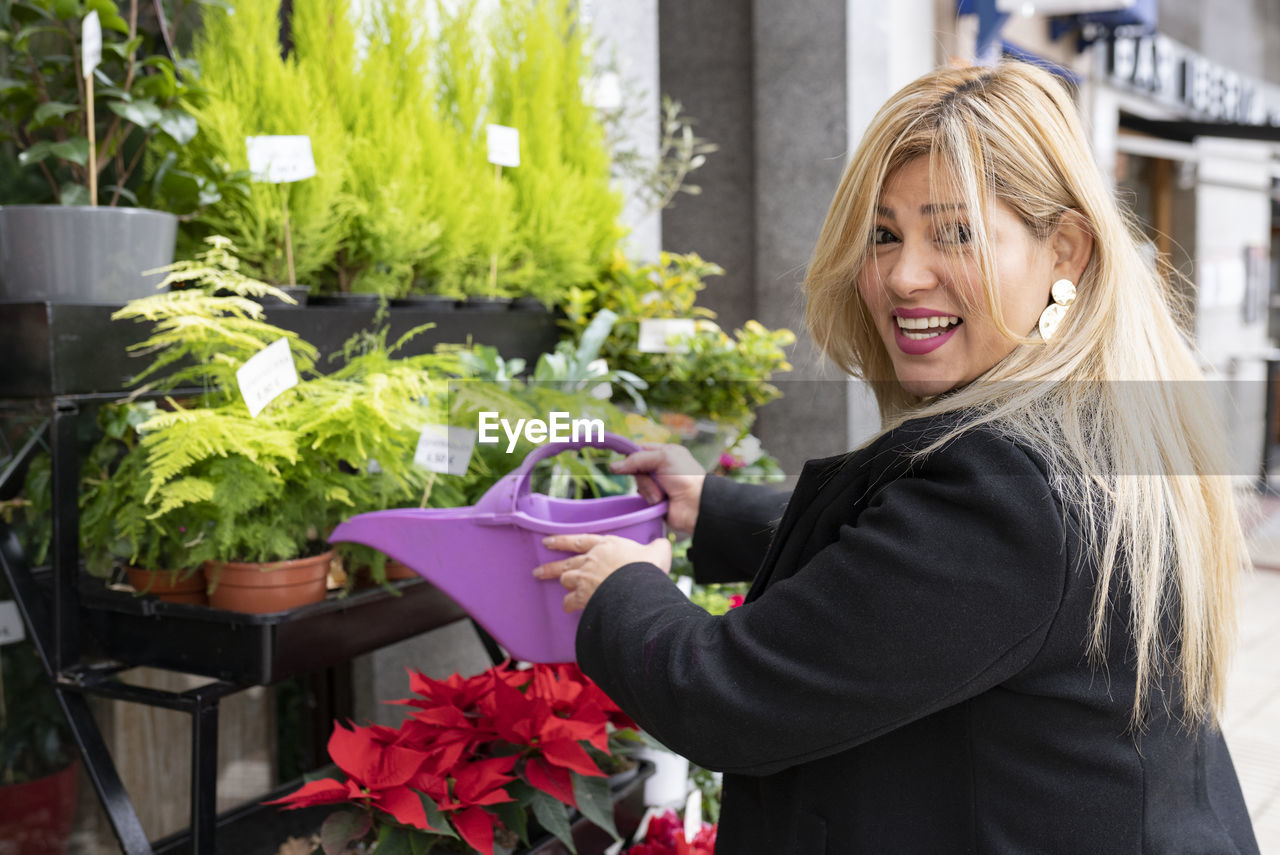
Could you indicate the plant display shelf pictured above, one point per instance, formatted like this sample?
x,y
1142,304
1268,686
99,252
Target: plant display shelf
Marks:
x,y
56,349
58,359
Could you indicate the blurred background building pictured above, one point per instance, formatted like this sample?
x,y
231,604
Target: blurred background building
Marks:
x,y
1181,100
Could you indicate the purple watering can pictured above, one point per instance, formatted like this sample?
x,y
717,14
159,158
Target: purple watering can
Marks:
x,y
483,555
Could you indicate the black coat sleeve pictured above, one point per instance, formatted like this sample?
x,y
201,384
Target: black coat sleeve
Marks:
x,y
735,524
942,587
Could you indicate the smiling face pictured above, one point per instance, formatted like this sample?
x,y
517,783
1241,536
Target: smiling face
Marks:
x,y
922,280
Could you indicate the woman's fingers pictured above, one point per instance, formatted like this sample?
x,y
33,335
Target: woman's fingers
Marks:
x,y
572,542
647,460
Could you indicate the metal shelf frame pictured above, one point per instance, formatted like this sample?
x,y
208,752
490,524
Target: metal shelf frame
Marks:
x,y
62,358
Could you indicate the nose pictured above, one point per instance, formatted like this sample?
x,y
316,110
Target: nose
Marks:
x,y
912,271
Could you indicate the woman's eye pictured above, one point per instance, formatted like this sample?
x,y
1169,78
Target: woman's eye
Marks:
x,y
954,233
881,236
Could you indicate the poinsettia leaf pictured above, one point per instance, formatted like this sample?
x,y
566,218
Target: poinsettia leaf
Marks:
x,y
394,840
325,791
569,754
435,816
552,780
475,827
341,828
551,815
595,801
513,816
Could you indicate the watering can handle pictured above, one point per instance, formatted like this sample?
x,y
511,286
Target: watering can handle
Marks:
x,y
551,449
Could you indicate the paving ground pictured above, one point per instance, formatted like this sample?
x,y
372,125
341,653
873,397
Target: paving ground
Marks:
x,y
1252,722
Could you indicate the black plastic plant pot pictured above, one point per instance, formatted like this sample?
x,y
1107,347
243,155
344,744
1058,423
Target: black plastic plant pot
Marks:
x,y
485,304
300,294
430,302
358,300
528,304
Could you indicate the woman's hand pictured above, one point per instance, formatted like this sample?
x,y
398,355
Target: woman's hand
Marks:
x,y
598,555
678,475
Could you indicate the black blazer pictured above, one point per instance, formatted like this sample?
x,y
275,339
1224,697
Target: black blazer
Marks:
x,y
909,672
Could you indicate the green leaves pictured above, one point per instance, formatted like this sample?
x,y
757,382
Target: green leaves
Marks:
x,y
48,110
178,124
341,828
550,814
595,801
75,149
138,97
144,112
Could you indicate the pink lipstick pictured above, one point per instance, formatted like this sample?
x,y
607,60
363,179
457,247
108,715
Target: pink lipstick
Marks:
x,y
921,346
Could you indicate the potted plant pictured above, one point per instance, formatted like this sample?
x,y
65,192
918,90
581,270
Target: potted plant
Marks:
x,y
38,773
707,375
116,523
482,765
56,243
265,489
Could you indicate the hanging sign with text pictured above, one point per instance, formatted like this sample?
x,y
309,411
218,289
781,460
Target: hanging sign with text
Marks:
x,y
280,159
266,374
445,449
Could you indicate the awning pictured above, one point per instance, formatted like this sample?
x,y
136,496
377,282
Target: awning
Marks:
x,y
1186,130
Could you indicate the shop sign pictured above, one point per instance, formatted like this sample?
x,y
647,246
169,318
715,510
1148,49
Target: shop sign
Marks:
x,y
1176,75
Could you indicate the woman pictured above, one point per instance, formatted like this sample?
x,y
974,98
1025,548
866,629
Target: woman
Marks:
x,y
1002,625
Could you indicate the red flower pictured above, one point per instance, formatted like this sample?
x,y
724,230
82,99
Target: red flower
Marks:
x,y
465,741
736,600
377,774
665,836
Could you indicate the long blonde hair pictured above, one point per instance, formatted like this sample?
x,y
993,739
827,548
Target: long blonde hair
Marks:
x,y
1114,401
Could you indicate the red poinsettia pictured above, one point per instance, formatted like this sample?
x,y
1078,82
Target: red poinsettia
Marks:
x,y
470,747
666,836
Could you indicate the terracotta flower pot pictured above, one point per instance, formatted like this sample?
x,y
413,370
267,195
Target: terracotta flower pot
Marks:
x,y
36,816
259,588
397,570
169,586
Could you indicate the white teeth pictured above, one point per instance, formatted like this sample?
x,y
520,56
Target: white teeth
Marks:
x,y
939,322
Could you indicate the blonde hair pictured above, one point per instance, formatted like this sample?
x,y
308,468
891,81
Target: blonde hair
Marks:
x,y
1113,402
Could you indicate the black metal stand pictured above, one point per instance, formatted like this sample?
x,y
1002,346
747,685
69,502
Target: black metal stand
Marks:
x,y
70,355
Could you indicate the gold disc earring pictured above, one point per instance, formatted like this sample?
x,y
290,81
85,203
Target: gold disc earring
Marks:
x,y
1063,293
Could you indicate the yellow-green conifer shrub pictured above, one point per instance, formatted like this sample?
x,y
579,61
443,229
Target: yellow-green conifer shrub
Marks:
x,y
566,211
250,90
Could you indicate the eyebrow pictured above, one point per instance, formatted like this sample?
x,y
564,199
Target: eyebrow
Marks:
x,y
927,210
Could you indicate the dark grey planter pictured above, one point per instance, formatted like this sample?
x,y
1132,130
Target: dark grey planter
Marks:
x,y
72,254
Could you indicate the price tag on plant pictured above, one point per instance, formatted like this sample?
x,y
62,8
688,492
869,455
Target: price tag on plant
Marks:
x,y
280,159
604,92
90,43
11,626
446,450
504,145
656,334
266,374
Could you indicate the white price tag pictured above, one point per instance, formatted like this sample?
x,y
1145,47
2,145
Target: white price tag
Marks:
x,y
11,628
656,332
504,145
266,374
445,449
604,92
693,815
90,43
280,159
